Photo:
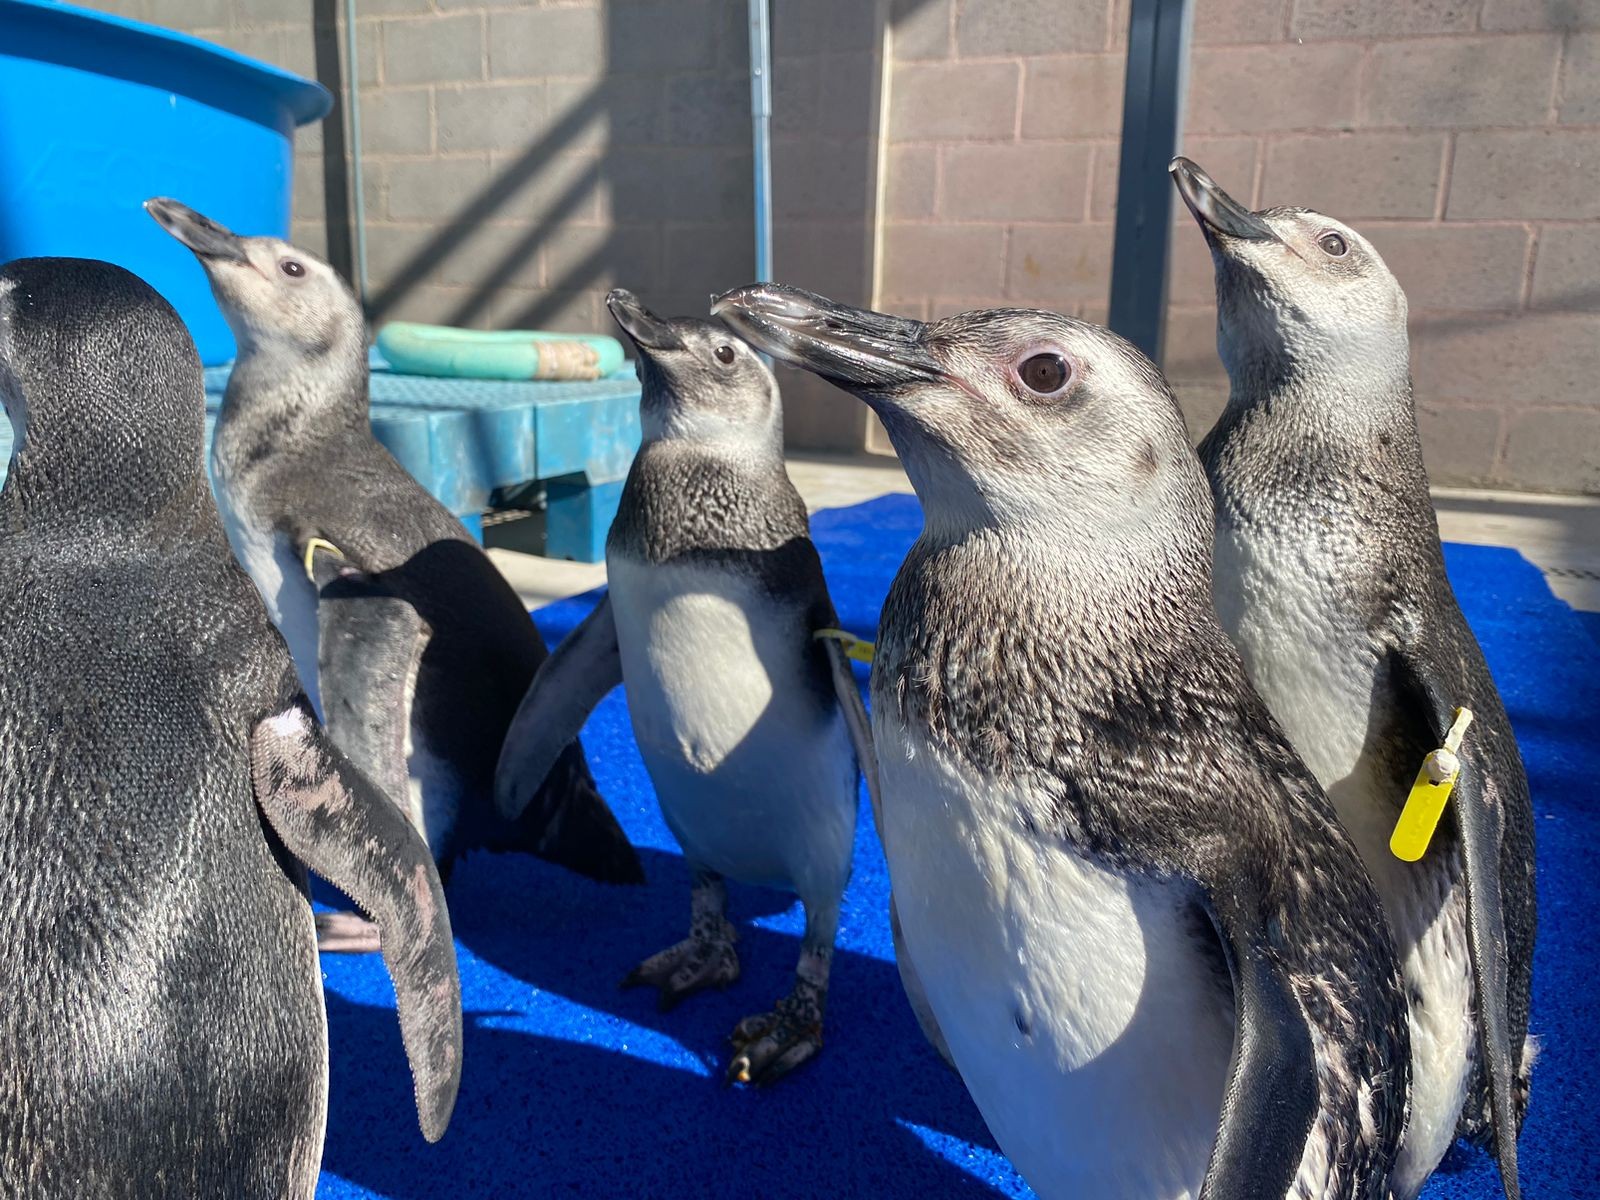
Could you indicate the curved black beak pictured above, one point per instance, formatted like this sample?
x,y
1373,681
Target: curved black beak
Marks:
x,y
1217,212
646,330
856,348
196,231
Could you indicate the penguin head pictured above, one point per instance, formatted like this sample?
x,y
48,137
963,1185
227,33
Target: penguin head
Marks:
x,y
1002,418
1296,290
103,388
700,382
275,296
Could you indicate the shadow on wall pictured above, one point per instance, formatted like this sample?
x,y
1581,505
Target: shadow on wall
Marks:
x,y
640,175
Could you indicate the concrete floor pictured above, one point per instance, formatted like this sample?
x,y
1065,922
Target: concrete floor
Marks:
x,y
1559,534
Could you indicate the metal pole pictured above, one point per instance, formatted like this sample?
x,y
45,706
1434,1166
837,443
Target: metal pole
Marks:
x,y
352,93
1152,126
761,118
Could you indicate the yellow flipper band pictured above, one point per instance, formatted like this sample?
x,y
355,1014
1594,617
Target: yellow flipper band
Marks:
x,y
1425,805
311,551
854,647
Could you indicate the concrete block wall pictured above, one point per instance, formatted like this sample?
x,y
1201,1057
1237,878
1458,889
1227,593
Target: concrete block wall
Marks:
x,y
525,155
520,158
1462,136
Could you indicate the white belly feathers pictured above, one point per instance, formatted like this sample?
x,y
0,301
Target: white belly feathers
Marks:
x,y
1092,1031
755,773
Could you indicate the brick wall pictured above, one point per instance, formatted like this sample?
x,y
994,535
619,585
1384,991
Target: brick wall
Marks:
x,y
520,158
1462,136
523,156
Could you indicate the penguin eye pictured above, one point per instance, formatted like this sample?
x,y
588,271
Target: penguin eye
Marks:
x,y
1044,374
292,268
724,354
1333,244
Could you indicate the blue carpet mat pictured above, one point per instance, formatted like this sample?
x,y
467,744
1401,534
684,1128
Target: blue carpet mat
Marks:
x,y
575,1087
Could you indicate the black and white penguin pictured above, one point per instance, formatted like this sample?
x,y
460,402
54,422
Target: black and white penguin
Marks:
x,y
1141,929
750,726
162,781
1330,577
415,649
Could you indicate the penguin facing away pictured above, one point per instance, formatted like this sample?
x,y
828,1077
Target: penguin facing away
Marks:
x,y
415,648
1143,934
1331,579
715,593
162,781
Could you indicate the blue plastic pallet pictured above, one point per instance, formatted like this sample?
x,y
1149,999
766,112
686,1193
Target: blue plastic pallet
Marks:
x,y
465,439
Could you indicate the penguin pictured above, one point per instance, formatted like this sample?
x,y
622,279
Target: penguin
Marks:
x,y
715,599
1142,931
1331,579
163,788
412,646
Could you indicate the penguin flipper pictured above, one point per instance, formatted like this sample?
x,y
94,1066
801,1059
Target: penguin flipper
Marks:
x,y
575,678
1481,824
860,727
1272,1096
855,720
337,822
370,643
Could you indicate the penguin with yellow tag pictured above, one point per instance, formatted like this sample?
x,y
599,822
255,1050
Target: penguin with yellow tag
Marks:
x,y
1331,578
749,723
1144,935
413,648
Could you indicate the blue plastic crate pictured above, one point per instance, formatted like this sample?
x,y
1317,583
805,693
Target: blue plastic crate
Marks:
x,y
465,439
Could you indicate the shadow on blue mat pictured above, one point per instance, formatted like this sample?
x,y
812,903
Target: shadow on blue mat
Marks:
x,y
574,1086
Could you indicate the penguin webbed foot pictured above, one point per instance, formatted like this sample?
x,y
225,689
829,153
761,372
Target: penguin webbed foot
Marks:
x,y
346,933
706,959
770,1045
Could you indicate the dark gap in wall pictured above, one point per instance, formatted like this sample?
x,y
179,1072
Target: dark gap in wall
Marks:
x,y
335,146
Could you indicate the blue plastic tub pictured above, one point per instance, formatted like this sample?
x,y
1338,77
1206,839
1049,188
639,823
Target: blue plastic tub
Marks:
x,y
98,113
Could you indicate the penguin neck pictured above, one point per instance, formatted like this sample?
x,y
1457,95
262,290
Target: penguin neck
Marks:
x,y
1301,439
684,496
144,489
972,629
1097,531
298,399
1076,579
1348,382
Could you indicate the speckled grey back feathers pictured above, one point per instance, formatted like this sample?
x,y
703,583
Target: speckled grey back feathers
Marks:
x,y
147,912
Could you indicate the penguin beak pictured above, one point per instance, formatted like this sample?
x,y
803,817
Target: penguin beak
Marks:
x,y
201,234
855,348
1217,212
646,330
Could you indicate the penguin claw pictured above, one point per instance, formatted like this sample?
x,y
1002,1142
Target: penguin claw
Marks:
x,y
693,965
770,1045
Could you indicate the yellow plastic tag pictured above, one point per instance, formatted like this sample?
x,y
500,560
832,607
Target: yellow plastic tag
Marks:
x,y
312,547
854,647
1425,805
